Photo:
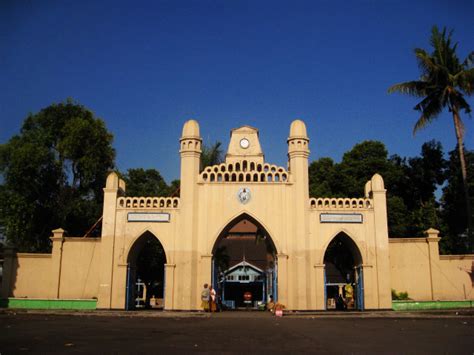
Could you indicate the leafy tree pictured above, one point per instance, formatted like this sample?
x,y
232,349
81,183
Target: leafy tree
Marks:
x,y
359,165
322,175
52,175
174,189
411,183
444,82
211,155
398,217
425,173
454,229
141,182
221,259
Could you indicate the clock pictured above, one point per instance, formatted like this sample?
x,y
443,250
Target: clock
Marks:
x,y
244,143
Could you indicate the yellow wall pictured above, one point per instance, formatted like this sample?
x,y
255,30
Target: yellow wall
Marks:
x,y
71,271
410,267
456,284
31,276
80,268
417,268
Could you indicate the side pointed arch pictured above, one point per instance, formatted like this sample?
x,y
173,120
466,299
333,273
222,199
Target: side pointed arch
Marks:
x,y
137,243
349,242
145,279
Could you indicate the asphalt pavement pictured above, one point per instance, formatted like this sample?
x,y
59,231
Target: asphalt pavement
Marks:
x,y
116,332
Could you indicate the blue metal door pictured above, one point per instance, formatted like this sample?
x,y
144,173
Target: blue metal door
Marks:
x,y
359,288
129,291
325,292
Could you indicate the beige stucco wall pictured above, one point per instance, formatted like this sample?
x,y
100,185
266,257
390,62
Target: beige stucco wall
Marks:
x,y
455,280
80,268
31,276
417,268
410,267
71,271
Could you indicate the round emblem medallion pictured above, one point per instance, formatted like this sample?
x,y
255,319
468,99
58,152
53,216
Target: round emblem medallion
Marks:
x,y
244,195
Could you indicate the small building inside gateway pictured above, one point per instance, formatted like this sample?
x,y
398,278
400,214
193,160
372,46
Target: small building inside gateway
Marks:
x,y
245,226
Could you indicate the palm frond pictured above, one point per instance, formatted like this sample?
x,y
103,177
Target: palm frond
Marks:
x,y
430,107
462,104
414,88
465,81
469,61
425,61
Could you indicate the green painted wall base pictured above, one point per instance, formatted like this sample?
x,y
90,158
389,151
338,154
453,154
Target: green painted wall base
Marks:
x,y
426,305
36,303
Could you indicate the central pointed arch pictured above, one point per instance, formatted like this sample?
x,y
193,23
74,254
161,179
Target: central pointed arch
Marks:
x,y
234,220
244,261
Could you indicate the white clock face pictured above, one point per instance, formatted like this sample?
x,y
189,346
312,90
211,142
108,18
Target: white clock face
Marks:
x,y
244,143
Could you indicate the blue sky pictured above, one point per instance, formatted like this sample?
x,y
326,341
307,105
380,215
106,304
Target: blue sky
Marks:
x,y
147,67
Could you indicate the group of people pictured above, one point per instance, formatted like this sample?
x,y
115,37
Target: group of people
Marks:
x,y
346,301
209,299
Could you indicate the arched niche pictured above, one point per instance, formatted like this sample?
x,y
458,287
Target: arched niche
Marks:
x,y
146,261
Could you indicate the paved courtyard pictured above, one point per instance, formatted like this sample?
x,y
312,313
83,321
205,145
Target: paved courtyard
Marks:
x,y
243,332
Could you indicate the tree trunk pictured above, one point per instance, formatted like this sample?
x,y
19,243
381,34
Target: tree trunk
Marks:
x,y
459,137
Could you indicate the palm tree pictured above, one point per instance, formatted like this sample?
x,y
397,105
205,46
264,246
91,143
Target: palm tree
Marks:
x,y
211,155
444,82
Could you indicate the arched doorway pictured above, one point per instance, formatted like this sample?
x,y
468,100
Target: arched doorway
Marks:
x,y
145,274
343,276
244,260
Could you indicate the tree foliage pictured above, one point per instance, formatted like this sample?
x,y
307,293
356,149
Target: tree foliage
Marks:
x,y
211,155
141,182
444,82
453,211
52,175
411,183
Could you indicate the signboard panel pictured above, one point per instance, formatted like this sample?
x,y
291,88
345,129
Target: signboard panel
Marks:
x,y
148,217
341,218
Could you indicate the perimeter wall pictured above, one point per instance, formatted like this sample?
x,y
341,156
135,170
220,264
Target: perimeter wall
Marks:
x,y
417,268
71,271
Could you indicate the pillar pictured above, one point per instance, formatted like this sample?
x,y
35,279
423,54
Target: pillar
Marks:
x,y
107,247
320,285
56,261
300,266
186,255
383,285
432,238
283,286
169,287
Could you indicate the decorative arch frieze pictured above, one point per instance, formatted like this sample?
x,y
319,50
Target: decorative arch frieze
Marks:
x,y
324,203
148,202
244,171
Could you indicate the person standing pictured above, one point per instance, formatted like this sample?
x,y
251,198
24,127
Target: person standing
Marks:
x,y
205,296
212,299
